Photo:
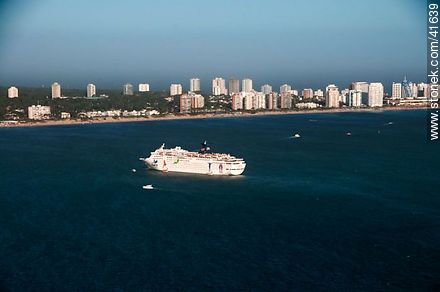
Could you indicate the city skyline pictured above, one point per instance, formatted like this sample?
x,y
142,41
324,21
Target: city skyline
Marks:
x,y
197,85
302,46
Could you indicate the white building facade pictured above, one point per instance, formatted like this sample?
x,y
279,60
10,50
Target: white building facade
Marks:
x,y
175,89
354,98
375,94
91,90
331,96
56,90
12,92
194,84
127,89
144,87
396,90
246,85
266,89
38,112
219,86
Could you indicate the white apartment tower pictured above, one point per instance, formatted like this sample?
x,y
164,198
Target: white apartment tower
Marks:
x,y
246,85
285,88
266,89
194,84
375,94
219,86
234,86
56,90
175,89
354,98
360,85
331,96
127,89
12,92
144,87
91,90
396,90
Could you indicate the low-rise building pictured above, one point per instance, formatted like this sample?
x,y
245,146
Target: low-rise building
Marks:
x,y
38,112
307,105
65,115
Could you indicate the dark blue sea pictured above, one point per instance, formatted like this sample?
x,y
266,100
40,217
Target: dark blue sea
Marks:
x,y
326,212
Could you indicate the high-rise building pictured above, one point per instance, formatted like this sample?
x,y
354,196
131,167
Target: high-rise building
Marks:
x,y
144,87
248,100
237,102
354,98
286,100
38,112
219,86
259,100
127,89
266,89
272,101
12,92
414,90
396,90
307,93
285,88
175,89
197,100
423,89
56,90
360,85
91,90
194,84
318,93
331,96
185,104
375,94
246,85
234,86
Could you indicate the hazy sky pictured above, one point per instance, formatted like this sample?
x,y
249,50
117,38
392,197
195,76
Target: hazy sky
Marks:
x,y
300,42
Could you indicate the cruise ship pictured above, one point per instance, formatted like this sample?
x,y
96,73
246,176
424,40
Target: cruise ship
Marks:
x,y
201,162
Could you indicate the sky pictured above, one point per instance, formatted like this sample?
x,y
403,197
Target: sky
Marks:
x,y
300,42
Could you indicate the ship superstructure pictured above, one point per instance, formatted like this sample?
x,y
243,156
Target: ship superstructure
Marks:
x,y
202,162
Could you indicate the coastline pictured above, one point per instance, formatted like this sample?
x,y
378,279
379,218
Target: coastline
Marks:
x,y
66,122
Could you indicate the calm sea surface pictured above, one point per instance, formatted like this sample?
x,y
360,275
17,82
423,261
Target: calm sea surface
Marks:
x,y
324,212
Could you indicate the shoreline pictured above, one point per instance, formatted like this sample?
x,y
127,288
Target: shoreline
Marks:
x,y
48,123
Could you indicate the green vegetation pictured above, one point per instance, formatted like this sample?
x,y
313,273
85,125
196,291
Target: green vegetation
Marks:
x,y
115,100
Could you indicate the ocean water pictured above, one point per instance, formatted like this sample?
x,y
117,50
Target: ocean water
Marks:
x,y
324,212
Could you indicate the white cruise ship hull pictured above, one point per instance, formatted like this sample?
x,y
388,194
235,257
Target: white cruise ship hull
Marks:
x,y
195,165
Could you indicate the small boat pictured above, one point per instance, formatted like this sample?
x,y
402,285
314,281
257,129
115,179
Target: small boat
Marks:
x,y
296,135
390,123
348,133
133,170
148,187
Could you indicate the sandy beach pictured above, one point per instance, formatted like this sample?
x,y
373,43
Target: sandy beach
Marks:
x,y
7,124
